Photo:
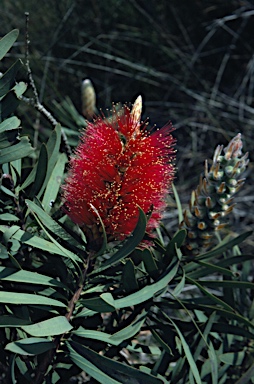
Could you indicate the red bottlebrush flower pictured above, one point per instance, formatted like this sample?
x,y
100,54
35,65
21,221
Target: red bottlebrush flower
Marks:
x,y
118,166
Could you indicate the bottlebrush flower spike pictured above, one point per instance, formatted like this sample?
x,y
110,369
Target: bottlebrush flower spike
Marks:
x,y
118,166
212,200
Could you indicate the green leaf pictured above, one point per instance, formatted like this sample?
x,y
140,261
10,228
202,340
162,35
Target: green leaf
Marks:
x,y
226,313
17,151
188,355
29,179
8,192
36,241
149,263
21,365
54,142
54,183
94,335
3,252
162,342
205,336
16,171
178,204
97,304
68,254
179,287
7,139
42,217
20,88
7,321
234,284
27,298
7,42
201,269
104,235
86,313
214,364
30,346
8,79
129,331
118,337
53,146
9,124
56,326
129,245
8,105
112,370
229,261
233,358
247,376
214,298
176,242
106,303
8,217
51,224
88,367
148,291
41,170
232,329
22,276
224,245
129,280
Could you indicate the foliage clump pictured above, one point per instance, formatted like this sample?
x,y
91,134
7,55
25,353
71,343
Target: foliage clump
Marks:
x,y
151,313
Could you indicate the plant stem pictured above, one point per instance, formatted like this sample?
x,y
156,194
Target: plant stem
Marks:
x,y
43,367
36,101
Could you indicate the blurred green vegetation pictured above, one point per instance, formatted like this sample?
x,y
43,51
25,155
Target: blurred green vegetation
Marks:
x,y
192,61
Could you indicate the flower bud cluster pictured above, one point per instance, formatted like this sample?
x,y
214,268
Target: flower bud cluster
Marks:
x,y
212,201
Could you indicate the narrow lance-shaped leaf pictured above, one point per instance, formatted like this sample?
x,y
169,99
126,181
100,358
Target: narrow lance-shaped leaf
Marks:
x,y
129,280
9,124
106,303
115,370
35,241
129,245
22,276
54,183
7,321
188,355
51,327
150,263
28,298
118,337
8,79
178,203
30,346
8,217
17,151
53,227
88,367
53,146
40,172
176,242
7,42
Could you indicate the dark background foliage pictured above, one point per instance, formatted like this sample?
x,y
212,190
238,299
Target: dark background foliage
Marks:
x,y
192,61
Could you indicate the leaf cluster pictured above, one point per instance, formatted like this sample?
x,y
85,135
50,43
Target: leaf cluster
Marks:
x,y
132,312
